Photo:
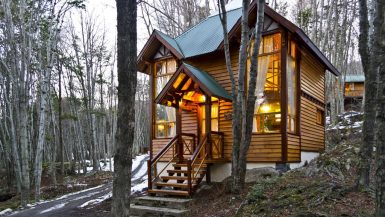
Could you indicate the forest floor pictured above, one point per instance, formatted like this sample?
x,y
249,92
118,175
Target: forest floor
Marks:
x,y
78,196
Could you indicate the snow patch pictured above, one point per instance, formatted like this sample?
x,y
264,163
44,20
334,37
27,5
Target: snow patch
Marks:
x,y
78,192
139,187
59,206
97,200
5,212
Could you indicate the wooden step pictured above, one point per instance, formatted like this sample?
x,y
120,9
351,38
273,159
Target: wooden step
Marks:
x,y
185,171
174,177
173,184
185,165
168,192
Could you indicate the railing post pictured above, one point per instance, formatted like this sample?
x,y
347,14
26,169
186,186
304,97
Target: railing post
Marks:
x,y
208,125
179,149
222,146
189,177
149,174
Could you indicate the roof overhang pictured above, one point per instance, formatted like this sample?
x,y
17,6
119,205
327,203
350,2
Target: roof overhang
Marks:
x,y
200,81
150,48
304,39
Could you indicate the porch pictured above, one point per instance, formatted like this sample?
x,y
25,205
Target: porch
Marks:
x,y
184,161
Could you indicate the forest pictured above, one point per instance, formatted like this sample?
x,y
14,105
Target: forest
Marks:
x,y
72,102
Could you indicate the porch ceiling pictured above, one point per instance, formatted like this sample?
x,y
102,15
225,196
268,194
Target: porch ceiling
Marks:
x,y
190,83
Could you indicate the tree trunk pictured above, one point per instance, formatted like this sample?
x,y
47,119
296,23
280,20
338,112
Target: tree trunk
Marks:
x,y
368,138
127,74
378,65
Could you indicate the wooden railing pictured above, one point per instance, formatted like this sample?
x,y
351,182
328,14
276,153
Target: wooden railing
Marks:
x,y
217,145
195,163
189,143
152,163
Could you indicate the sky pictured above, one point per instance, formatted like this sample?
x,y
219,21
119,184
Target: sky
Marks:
x,y
106,11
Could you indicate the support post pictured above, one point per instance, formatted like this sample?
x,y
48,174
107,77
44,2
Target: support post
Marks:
x,y
208,125
179,146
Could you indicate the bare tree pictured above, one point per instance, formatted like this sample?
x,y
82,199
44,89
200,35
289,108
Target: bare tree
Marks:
x,y
243,104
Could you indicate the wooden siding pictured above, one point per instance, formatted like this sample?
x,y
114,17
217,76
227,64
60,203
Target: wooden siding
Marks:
x,y
313,84
312,76
312,134
263,147
293,148
354,89
189,122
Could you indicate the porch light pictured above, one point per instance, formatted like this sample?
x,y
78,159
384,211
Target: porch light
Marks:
x,y
202,98
265,108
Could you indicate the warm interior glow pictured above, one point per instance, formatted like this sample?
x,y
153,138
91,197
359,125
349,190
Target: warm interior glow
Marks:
x,y
202,98
160,127
266,108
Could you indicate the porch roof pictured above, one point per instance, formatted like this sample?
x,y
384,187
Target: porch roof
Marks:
x,y
205,82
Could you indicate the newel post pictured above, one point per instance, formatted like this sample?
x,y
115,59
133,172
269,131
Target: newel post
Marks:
x,y
208,125
149,174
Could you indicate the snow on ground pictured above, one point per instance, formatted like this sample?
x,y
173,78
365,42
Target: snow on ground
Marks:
x,y
109,165
5,212
97,200
53,208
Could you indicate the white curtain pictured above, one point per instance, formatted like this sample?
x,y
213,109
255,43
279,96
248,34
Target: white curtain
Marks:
x,y
263,67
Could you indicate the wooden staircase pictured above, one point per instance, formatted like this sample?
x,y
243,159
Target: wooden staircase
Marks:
x,y
177,180
182,176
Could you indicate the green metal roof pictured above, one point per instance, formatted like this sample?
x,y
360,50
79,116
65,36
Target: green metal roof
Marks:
x,y
209,82
170,40
206,36
355,78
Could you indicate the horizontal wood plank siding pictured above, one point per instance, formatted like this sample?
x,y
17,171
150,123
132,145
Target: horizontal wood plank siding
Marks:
x,y
313,84
293,148
312,134
312,76
189,122
263,147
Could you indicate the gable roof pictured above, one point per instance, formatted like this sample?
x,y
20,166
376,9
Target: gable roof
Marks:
x,y
207,83
207,36
355,78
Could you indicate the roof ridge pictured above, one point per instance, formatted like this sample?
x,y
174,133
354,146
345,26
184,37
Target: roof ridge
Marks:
x,y
207,18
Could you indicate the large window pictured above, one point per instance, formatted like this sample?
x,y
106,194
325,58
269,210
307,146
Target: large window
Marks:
x,y
165,116
267,116
291,76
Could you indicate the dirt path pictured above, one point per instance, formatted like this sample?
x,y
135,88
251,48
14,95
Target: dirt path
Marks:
x,y
70,204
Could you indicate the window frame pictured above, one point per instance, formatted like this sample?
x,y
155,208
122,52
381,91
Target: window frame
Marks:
x,y
156,123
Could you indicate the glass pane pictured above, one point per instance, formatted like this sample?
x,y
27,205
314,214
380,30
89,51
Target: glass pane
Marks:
x,y
291,76
165,121
160,83
171,66
268,44
276,42
267,123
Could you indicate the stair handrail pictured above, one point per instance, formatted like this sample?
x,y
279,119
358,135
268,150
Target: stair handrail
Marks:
x,y
154,161
190,163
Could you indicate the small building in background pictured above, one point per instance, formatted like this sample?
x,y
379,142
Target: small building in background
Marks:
x,y
354,92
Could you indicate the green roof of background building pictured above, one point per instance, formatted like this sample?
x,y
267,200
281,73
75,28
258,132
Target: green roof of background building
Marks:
x,y
355,78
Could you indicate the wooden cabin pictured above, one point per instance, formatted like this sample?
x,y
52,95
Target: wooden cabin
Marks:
x,y
191,110
354,92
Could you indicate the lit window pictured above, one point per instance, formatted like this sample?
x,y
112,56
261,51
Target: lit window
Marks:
x,y
214,117
267,118
291,77
165,116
